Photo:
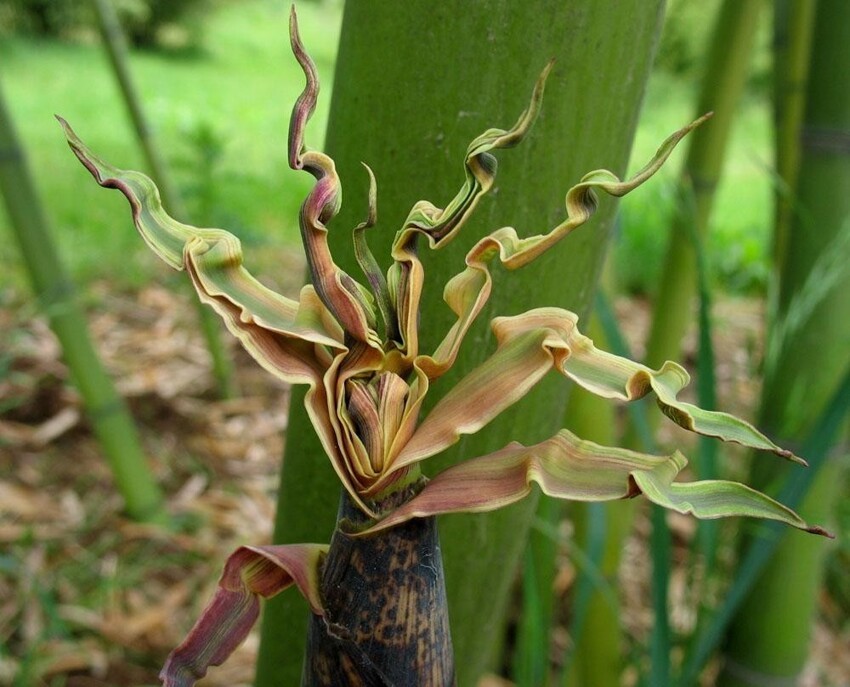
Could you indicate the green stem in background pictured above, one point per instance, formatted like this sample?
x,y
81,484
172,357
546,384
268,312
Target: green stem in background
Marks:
x,y
428,80
807,354
730,49
595,657
660,641
794,22
660,539
106,410
705,544
116,48
728,54
531,658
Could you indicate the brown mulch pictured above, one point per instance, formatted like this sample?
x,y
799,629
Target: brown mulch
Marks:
x,y
86,594
89,598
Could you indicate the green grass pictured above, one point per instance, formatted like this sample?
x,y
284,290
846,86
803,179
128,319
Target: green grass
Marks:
x,y
241,86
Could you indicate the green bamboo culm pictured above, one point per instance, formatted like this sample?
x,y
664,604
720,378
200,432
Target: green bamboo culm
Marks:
x,y
531,659
730,49
597,659
728,53
794,22
105,409
727,60
818,447
806,358
407,102
116,47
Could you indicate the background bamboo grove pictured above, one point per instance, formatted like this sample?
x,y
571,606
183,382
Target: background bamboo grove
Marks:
x,y
748,223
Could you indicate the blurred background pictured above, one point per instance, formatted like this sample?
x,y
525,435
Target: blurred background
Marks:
x,y
90,596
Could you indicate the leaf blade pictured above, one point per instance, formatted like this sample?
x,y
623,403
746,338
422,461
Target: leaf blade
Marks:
x,y
567,467
250,573
213,255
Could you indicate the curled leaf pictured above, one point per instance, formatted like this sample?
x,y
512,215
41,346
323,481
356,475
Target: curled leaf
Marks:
x,y
341,294
250,573
612,376
567,467
467,292
440,225
298,342
525,353
369,265
541,339
212,256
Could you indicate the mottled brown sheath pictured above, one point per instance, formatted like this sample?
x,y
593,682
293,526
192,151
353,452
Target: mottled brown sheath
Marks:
x,y
386,621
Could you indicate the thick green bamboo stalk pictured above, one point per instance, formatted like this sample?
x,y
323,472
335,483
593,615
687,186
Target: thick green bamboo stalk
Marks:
x,y
106,410
723,82
794,22
725,76
415,82
806,358
116,47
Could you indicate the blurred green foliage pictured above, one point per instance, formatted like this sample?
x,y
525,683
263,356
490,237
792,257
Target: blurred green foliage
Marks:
x,y
147,23
685,26
737,249
683,42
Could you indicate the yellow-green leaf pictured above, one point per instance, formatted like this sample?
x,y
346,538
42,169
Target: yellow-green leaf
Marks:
x,y
567,467
467,292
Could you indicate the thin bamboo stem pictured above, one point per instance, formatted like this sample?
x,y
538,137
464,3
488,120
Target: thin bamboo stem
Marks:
x,y
723,83
596,659
106,410
794,22
116,48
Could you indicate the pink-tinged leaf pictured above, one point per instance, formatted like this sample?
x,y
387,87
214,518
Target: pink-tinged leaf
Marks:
x,y
347,449
541,339
566,467
527,348
251,573
214,257
299,342
306,102
343,296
